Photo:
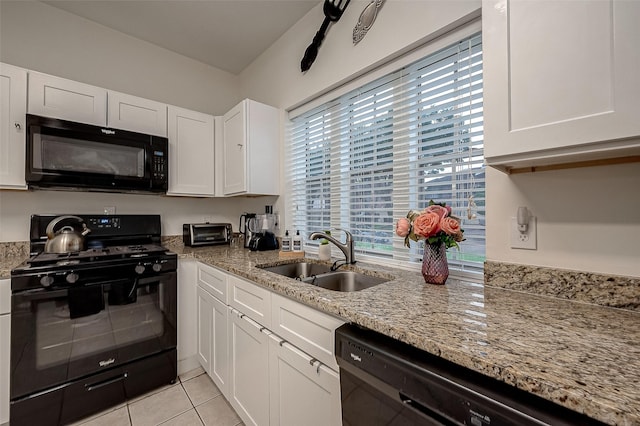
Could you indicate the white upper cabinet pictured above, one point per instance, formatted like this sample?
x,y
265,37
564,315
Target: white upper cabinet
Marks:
x,y
136,114
57,97
13,107
191,153
251,153
560,81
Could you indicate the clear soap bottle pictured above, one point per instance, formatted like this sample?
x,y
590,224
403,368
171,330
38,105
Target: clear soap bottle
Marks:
x,y
286,241
297,242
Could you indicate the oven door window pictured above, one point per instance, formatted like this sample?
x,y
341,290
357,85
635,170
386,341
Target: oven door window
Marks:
x,y
65,334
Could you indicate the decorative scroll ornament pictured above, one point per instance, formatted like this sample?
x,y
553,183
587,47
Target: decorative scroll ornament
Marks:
x,y
366,20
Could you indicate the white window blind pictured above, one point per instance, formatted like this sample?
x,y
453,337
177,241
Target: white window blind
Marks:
x,y
365,159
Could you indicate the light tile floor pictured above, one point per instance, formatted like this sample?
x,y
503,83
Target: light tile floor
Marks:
x,y
194,400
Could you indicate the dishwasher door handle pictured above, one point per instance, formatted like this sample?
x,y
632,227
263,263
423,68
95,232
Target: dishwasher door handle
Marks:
x,y
424,410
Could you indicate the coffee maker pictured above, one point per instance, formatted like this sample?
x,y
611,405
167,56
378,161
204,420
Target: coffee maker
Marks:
x,y
248,222
262,233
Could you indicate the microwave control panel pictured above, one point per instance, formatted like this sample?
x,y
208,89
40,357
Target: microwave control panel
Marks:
x,y
159,166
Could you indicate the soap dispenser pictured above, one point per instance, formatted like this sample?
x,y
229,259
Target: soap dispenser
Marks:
x,y
286,241
297,242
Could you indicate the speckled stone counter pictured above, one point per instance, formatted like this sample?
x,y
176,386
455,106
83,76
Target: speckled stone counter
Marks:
x,y
11,255
583,356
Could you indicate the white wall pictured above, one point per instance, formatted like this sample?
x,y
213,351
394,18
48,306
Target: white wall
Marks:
x,y
588,219
39,37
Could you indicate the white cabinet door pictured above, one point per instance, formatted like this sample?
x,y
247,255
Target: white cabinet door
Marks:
x,y
191,153
213,334
560,80
136,114
5,345
57,97
249,378
220,346
234,150
303,391
251,149
204,309
13,107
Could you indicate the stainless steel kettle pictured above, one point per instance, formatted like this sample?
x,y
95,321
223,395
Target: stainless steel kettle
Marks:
x,y
67,239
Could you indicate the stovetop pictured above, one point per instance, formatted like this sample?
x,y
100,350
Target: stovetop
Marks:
x,y
96,254
118,247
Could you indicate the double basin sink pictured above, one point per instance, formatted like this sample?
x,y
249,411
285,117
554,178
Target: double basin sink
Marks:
x,y
320,275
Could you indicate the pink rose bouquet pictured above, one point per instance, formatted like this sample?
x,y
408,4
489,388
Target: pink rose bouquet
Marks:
x,y
435,225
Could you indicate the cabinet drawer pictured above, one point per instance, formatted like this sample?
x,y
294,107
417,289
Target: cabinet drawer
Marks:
x,y
213,281
251,300
305,327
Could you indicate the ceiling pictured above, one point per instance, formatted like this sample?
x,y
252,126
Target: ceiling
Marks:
x,y
226,34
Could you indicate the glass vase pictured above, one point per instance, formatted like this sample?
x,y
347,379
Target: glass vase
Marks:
x,y
435,269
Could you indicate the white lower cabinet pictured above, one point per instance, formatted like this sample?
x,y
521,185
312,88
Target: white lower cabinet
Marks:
x,y
249,381
5,345
302,390
287,377
213,341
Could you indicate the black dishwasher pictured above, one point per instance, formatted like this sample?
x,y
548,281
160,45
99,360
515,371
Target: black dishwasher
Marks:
x,y
386,382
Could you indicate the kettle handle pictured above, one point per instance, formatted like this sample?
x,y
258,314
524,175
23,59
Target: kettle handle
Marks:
x,y
51,227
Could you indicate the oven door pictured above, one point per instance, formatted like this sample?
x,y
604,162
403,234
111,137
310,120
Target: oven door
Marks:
x,y
60,335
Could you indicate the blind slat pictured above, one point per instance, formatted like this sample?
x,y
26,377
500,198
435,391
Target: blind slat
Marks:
x,y
362,160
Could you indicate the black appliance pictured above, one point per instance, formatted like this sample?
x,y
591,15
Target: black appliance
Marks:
x,y
206,234
92,328
386,382
74,156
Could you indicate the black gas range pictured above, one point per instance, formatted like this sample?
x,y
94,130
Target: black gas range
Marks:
x,y
94,327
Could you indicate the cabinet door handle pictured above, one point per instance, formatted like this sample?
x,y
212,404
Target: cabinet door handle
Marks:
x,y
240,145
18,126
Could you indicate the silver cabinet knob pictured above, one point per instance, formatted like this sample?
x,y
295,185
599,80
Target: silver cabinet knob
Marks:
x,y
18,126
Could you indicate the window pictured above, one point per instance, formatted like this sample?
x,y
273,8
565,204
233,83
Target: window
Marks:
x,y
365,159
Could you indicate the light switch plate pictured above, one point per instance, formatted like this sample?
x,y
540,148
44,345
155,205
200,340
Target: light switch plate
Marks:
x,y
524,240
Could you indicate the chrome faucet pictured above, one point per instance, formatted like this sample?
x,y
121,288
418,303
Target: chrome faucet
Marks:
x,y
346,247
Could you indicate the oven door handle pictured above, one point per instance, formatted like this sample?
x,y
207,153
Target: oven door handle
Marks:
x,y
98,385
38,294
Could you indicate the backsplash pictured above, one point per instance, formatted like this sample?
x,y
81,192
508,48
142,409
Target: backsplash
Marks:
x,y
607,290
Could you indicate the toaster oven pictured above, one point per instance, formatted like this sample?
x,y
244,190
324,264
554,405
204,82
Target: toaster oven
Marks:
x,y
206,234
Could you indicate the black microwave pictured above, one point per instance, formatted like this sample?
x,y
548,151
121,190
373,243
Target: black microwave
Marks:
x,y
62,154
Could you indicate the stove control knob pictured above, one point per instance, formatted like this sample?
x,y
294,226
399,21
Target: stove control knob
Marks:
x,y
46,281
139,269
157,267
72,277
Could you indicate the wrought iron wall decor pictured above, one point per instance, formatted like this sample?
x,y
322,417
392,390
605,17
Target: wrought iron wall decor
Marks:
x,y
333,10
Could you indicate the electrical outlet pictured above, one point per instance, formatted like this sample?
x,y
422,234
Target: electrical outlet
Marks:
x,y
524,240
109,210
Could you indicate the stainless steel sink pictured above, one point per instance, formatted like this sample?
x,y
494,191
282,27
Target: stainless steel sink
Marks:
x,y
345,281
299,270
320,275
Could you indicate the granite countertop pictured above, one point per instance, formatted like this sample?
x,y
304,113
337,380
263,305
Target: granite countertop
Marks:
x,y
582,356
